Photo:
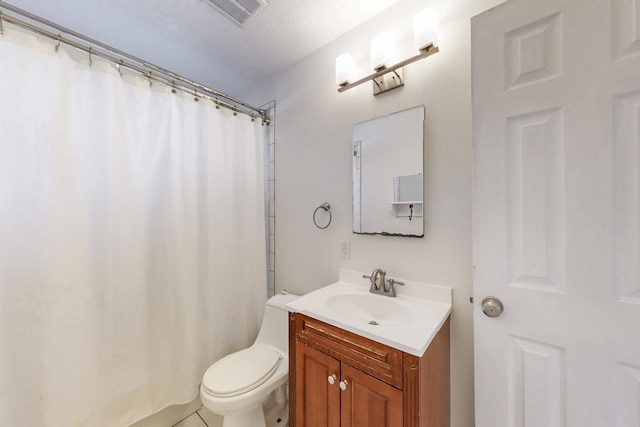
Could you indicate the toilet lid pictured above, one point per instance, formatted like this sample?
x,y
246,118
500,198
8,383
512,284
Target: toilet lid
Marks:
x,y
242,371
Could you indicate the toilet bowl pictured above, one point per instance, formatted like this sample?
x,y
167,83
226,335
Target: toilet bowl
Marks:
x,y
249,387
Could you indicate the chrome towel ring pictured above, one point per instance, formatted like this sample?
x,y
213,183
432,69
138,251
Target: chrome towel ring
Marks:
x,y
325,207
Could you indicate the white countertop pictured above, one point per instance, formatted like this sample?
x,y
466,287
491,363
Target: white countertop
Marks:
x,y
408,322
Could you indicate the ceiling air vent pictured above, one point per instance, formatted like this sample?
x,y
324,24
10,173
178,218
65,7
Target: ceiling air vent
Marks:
x,y
241,12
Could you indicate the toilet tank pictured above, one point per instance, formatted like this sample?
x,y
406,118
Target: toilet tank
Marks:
x,y
274,330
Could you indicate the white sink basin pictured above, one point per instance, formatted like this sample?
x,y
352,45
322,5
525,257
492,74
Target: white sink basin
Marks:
x,y
368,308
407,322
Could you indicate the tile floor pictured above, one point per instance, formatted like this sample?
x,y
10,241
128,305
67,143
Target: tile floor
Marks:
x,y
201,418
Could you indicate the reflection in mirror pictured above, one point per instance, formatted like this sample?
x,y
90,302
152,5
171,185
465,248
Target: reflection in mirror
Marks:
x,y
388,174
407,189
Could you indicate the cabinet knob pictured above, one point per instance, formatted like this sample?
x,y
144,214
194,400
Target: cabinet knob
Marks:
x,y
332,379
343,385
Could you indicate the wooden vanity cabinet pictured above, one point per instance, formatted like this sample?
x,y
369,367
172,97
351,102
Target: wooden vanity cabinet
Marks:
x,y
383,386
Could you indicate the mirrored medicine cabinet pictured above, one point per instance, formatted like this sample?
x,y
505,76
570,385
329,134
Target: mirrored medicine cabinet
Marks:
x,y
388,176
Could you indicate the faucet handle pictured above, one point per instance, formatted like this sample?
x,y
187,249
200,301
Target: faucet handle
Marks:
x,y
392,291
395,282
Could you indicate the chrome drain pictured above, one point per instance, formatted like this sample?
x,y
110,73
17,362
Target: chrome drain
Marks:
x,y
373,322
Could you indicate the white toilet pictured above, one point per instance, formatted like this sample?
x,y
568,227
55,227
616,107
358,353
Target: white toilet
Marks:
x,y
249,387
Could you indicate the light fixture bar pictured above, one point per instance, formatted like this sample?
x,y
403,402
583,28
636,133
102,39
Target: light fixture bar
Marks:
x,y
428,51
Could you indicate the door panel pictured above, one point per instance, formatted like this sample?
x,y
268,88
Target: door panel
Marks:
x,y
536,382
556,106
368,402
626,109
317,401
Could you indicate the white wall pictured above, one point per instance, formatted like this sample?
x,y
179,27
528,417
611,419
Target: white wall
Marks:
x,y
313,165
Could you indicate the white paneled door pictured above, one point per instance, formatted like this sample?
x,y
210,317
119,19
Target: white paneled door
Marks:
x,y
556,105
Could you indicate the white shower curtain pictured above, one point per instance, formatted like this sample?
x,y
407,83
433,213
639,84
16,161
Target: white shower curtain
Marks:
x,y
132,239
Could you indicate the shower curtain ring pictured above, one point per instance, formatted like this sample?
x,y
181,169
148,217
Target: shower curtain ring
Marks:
x,y
325,207
90,56
1,25
58,45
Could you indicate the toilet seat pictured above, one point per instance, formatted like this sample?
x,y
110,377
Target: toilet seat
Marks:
x,y
242,371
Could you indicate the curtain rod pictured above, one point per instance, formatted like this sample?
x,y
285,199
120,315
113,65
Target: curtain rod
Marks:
x,y
144,68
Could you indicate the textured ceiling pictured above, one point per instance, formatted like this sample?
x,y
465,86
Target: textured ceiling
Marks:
x,y
192,39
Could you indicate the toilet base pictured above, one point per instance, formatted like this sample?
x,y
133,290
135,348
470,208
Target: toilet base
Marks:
x,y
273,412
276,408
272,417
254,417
279,418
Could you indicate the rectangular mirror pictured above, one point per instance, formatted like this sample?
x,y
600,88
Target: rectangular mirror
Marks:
x,y
388,174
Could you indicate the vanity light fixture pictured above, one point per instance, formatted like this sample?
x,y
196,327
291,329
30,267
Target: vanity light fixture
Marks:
x,y
381,51
345,69
425,29
387,77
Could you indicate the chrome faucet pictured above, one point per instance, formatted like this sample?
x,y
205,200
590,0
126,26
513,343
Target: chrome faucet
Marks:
x,y
380,284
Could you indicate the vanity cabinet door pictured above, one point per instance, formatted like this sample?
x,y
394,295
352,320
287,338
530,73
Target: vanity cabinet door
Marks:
x,y
367,402
317,400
